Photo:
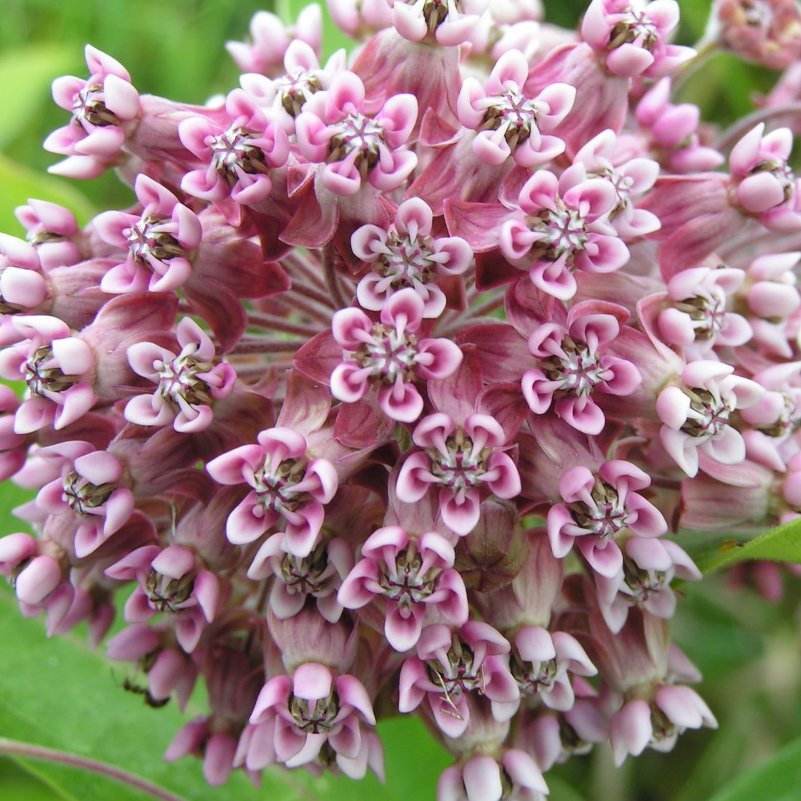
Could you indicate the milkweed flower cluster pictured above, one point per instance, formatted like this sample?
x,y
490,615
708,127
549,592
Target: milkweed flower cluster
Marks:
x,y
391,388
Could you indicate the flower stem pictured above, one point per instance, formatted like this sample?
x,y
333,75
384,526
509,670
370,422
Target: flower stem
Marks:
x,y
15,748
743,126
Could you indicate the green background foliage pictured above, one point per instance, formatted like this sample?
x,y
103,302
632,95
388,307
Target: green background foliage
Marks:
x,y
62,695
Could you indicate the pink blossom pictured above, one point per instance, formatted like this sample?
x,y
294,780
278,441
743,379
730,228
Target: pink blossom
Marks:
x,y
355,148
188,383
510,124
286,485
240,154
483,778
389,354
407,254
449,22
104,107
52,230
160,241
452,664
414,577
695,416
631,36
597,508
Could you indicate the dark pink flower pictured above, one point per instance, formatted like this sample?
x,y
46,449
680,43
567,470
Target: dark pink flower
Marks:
x,y
286,485
415,579
390,355
597,508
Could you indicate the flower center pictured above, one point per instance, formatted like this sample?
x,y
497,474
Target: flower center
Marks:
x,y
43,376
389,354
460,675
577,367
276,486
604,515
459,466
360,139
707,313
294,89
532,677
641,584
82,496
180,383
782,172
314,716
707,415
564,232
149,241
234,152
168,594
408,262
403,582
311,575
634,28
515,113
90,107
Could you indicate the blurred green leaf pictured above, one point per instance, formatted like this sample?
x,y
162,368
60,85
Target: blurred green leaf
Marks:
x,y
714,550
19,184
777,779
25,78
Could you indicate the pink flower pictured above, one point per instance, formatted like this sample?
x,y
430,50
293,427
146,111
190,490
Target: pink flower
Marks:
x,y
597,508
696,415
104,107
296,716
448,22
406,254
355,148
510,124
52,230
414,577
160,241
169,580
239,155
188,383
631,36
764,183
390,355
573,363
482,778
286,485
452,664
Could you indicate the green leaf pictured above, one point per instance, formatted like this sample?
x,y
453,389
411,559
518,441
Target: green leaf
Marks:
x,y
714,550
25,78
59,694
777,779
20,183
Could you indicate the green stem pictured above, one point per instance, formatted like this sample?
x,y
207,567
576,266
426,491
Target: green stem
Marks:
x,y
15,748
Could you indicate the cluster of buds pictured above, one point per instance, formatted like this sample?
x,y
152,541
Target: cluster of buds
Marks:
x,y
390,390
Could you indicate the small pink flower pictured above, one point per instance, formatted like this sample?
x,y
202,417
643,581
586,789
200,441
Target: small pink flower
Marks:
x,y
271,39
88,483
239,157
103,107
169,580
296,716
447,21
295,579
696,415
764,183
466,460
649,566
160,241
360,18
573,363
561,228
52,230
415,579
631,36
188,383
513,775
390,355
597,508
286,485
58,369
407,255
356,149
510,124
